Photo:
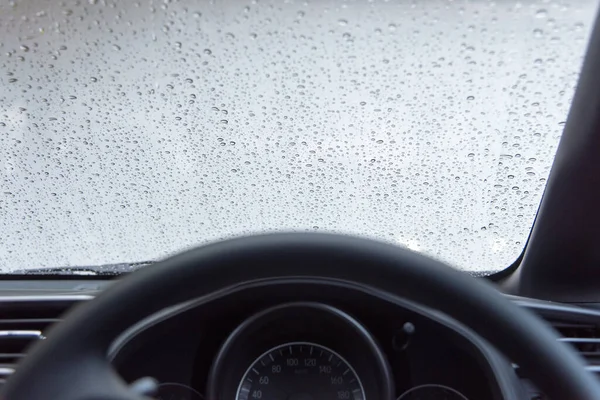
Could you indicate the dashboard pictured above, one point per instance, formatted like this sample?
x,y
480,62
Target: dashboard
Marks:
x,y
303,339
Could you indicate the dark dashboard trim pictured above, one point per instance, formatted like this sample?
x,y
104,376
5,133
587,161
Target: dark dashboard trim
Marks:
x,y
554,309
85,291
503,372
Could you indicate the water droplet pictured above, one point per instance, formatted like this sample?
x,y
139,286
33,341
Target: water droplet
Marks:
x,y
24,48
116,47
541,13
164,80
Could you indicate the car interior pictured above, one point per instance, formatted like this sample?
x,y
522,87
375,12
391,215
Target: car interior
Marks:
x,y
315,316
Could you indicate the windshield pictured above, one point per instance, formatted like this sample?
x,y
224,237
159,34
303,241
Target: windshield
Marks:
x,y
133,130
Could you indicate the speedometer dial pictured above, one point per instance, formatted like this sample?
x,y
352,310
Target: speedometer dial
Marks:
x,y
300,371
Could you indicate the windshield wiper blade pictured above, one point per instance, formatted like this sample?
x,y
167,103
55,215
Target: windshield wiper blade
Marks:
x,y
88,270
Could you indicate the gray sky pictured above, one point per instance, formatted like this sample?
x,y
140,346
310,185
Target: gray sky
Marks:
x,y
132,131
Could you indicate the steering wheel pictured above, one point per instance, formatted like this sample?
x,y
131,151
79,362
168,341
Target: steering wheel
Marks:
x,y
72,364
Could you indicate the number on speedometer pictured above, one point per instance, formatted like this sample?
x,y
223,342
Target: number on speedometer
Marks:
x,y
300,371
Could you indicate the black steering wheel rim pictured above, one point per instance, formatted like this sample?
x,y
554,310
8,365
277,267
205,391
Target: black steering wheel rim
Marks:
x,y
72,365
